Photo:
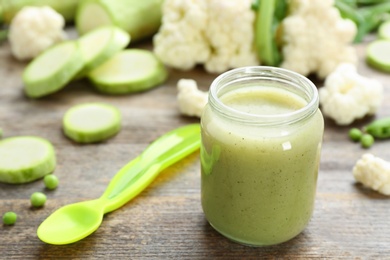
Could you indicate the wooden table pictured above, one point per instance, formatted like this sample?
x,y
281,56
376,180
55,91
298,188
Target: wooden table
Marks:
x,y
166,220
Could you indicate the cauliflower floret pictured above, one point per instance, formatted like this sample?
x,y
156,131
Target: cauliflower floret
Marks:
x,y
316,39
180,42
35,29
218,34
191,99
230,34
373,172
347,96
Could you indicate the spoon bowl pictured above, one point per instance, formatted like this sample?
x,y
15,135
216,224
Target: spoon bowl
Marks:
x,y
76,221
81,218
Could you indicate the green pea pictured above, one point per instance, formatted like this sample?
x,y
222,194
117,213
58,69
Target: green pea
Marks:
x,y
355,134
38,199
51,181
367,140
9,218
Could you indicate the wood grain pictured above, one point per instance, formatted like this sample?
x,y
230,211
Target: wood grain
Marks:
x,y
166,220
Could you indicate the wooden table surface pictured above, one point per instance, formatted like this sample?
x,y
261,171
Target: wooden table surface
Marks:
x,y
166,220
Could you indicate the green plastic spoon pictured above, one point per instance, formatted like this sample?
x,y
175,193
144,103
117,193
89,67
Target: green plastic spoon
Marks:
x,y
76,221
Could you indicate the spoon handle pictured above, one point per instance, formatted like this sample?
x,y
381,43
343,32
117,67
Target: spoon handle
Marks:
x,y
141,171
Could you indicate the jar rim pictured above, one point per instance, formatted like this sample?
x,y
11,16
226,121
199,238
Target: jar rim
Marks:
x,y
275,74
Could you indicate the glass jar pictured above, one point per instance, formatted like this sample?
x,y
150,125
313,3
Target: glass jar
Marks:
x,y
261,140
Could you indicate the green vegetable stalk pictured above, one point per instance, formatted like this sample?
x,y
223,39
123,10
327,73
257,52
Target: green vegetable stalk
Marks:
x,y
140,18
367,2
374,15
270,13
67,8
366,14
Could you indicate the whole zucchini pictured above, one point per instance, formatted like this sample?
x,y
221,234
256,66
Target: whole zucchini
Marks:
x,y
9,8
140,18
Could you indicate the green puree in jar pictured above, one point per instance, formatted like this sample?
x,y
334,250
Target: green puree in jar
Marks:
x,y
263,101
259,183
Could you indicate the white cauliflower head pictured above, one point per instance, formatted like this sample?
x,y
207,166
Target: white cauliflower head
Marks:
x,y
316,39
347,96
218,34
373,172
191,100
33,30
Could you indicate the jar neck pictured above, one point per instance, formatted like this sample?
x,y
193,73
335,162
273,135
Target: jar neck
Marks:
x,y
263,76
